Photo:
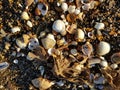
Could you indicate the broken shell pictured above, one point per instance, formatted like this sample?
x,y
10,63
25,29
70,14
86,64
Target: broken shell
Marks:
x,y
33,43
80,35
103,48
43,7
53,52
15,29
4,65
87,49
42,83
49,41
20,43
29,23
86,6
74,52
28,3
25,15
58,26
64,6
15,61
93,61
61,42
71,29
71,9
115,58
99,26
104,63
114,66
32,56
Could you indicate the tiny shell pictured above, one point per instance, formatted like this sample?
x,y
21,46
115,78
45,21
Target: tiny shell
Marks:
x,y
28,3
87,49
86,6
15,61
80,35
43,7
103,48
64,6
99,26
77,11
104,63
33,43
61,42
4,65
42,83
115,58
37,11
25,15
71,9
93,61
15,29
58,26
29,23
48,42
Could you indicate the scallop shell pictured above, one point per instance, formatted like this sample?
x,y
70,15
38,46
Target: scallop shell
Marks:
x,y
115,58
103,48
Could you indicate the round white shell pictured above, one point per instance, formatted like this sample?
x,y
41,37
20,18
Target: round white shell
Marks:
x,y
103,48
58,26
64,6
99,26
33,43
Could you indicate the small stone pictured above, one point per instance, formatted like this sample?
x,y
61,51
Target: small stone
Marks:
x,y
64,6
33,43
29,23
99,26
15,61
114,66
25,15
15,29
71,9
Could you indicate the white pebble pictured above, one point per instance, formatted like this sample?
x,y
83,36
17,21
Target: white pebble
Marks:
x,y
64,6
77,11
104,63
29,23
99,26
15,61
114,66
71,9
20,43
25,15
15,29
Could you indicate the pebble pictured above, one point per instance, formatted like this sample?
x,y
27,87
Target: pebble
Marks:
x,y
99,26
34,42
4,65
71,9
15,61
114,66
29,23
64,6
15,29
25,15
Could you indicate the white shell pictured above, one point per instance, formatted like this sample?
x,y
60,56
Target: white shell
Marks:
x,y
86,6
77,11
58,26
15,61
80,35
20,43
48,42
71,9
29,23
25,15
41,6
104,63
103,48
99,26
92,61
114,66
33,43
15,29
64,6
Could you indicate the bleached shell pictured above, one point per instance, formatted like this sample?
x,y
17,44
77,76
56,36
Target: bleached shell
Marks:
x,y
99,26
41,8
48,43
71,9
58,26
25,15
80,35
33,43
20,43
93,61
114,66
15,29
29,23
103,48
64,6
77,11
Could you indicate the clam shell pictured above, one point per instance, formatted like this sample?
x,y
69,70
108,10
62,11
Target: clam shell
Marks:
x,y
103,48
115,58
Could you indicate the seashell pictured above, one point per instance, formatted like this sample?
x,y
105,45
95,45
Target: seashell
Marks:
x,y
7,45
71,9
31,56
71,17
15,61
71,29
93,61
104,63
48,42
4,65
60,83
115,58
15,29
53,52
25,15
61,42
29,23
74,52
86,6
99,26
77,11
114,66
43,7
20,43
33,43
28,3
42,83
64,6
80,35
58,26
103,48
